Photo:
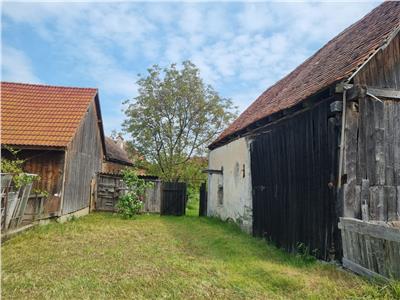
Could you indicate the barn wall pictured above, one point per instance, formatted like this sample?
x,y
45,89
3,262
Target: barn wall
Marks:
x,y
232,186
84,159
294,167
49,165
372,143
383,70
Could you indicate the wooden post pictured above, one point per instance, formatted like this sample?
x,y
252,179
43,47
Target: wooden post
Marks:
x,y
352,203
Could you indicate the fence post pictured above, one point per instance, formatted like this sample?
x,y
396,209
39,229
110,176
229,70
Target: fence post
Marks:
x,y
203,200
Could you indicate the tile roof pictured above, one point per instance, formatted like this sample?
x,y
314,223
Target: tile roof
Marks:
x,y
115,153
336,61
42,115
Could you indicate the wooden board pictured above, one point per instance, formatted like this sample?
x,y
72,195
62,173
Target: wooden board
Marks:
x,y
370,249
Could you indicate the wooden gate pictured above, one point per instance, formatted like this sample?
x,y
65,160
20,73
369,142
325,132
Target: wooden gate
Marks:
x,y
371,248
203,200
173,198
293,169
108,190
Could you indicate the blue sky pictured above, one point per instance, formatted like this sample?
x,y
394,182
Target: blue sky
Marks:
x,y
240,48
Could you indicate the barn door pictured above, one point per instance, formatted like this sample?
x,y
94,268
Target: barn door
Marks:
x,y
173,201
293,168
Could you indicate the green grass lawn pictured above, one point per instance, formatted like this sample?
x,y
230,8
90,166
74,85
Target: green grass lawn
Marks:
x,y
102,256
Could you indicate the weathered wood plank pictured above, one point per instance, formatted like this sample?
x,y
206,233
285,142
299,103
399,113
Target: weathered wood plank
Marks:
x,y
396,143
362,136
386,93
378,205
391,200
374,230
360,269
389,143
398,202
370,141
352,206
379,136
364,198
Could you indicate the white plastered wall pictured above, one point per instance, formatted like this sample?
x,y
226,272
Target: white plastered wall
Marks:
x,y
235,188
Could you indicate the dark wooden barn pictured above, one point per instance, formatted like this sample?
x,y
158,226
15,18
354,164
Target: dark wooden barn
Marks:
x,y
59,133
320,144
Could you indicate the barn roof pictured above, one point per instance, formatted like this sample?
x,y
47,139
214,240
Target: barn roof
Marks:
x,y
43,115
115,153
334,62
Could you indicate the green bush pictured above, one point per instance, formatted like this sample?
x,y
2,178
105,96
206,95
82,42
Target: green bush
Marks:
x,y
131,202
15,167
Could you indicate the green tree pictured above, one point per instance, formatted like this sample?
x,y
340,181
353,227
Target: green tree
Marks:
x,y
174,117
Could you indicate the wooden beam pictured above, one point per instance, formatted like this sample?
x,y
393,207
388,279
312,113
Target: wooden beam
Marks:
x,y
385,93
379,231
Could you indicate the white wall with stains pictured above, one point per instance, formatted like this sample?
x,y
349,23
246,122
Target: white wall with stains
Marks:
x,y
229,194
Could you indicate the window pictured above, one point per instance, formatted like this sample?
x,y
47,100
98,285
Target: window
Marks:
x,y
221,188
220,194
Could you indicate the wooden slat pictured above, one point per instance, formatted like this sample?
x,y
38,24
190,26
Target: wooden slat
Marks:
x,y
374,230
361,270
391,200
293,167
352,205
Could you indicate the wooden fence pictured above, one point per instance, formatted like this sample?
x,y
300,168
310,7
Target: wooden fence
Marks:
x,y
371,248
13,202
163,197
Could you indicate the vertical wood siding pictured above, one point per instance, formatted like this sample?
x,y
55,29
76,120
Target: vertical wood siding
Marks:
x,y
84,157
173,199
372,148
383,70
49,165
372,160
291,167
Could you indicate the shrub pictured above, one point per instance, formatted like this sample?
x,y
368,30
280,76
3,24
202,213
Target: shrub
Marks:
x,y
131,202
15,167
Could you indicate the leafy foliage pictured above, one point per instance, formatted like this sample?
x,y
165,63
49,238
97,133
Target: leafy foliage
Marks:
x,y
131,202
175,117
15,167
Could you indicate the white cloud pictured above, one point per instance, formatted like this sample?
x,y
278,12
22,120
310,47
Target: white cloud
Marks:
x,y
255,17
191,19
16,66
240,48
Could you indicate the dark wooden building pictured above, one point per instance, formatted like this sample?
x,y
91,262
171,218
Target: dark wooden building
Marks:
x,y
116,158
322,143
59,133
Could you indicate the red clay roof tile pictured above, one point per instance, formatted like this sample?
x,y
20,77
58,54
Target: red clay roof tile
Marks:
x,y
42,115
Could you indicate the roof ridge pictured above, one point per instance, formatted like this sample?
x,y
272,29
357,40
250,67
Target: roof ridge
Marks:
x,y
331,41
50,86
